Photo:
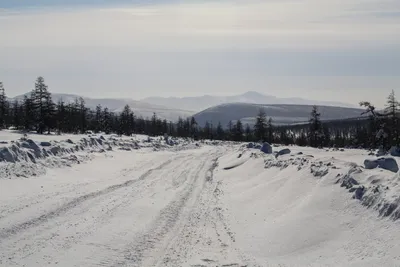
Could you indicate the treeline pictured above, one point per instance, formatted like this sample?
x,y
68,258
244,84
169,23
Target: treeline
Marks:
x,y
38,112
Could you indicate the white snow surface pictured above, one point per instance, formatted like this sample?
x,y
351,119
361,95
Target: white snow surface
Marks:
x,y
199,204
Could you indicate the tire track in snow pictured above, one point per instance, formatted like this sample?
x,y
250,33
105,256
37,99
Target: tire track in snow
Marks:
x,y
205,238
147,242
8,232
193,242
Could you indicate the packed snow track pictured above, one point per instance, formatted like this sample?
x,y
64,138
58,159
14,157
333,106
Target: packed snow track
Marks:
x,y
153,213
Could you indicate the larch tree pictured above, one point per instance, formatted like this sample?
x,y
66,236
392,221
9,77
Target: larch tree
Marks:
x,y
315,134
260,127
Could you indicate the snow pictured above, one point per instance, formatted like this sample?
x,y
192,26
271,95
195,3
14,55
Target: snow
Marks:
x,y
286,217
197,204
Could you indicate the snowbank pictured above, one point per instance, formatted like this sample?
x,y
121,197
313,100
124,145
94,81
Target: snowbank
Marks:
x,y
374,187
25,158
299,210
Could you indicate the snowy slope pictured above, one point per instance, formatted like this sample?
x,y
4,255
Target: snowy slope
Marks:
x,y
203,102
283,216
198,204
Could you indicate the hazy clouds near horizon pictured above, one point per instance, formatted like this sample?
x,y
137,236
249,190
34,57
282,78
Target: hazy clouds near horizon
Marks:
x,y
342,50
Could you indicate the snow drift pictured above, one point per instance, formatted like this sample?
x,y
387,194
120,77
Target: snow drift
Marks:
x,y
26,157
320,210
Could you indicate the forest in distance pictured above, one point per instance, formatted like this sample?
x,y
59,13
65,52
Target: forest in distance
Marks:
x,y
37,112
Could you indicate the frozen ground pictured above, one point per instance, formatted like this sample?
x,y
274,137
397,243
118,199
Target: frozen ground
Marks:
x,y
184,204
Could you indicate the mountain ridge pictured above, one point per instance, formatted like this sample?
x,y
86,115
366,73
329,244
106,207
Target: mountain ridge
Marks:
x,y
280,113
199,103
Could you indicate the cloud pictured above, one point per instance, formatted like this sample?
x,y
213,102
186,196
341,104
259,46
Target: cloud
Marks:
x,y
207,46
305,23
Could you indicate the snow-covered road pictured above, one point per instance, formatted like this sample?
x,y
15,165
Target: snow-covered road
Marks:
x,y
157,211
206,207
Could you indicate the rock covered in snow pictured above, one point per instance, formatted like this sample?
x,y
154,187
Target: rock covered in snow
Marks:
x,y
25,145
359,192
55,150
389,164
370,164
254,145
32,144
348,181
266,148
45,143
125,148
395,151
6,155
283,152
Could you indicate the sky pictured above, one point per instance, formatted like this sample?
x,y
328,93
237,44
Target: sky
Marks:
x,y
338,50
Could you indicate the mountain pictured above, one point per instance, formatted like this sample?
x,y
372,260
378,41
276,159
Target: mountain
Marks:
x,y
281,114
203,102
116,105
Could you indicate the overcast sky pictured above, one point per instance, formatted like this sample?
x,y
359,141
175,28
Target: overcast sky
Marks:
x,y
341,50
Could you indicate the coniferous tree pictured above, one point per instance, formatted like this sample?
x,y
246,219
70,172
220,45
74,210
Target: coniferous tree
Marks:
x,y
180,127
207,130
125,121
17,116
238,132
248,133
193,128
315,134
29,114
376,131
270,131
49,113
61,117
3,106
165,129
98,124
230,132
82,115
171,129
107,121
260,128
220,133
43,106
392,111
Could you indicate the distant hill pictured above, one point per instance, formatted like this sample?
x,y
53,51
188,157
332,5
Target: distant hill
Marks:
x,y
116,105
203,102
215,112
281,114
